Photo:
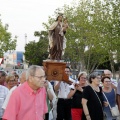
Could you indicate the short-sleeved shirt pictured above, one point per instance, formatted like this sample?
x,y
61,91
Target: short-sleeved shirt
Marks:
x,y
112,101
76,99
118,88
3,93
64,90
94,105
25,104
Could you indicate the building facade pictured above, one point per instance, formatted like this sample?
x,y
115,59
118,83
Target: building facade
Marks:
x,y
13,58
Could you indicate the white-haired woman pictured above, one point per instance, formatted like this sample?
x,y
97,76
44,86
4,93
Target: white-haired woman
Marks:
x,y
76,95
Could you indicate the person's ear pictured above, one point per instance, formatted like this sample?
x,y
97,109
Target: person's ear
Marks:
x,y
92,79
30,78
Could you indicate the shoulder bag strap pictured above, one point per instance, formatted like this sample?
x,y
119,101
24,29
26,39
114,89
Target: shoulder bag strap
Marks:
x,y
97,96
106,99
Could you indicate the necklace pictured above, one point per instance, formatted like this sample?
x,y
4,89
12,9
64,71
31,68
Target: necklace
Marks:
x,y
96,88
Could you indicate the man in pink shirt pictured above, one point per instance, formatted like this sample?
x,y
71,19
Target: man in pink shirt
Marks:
x,y
28,101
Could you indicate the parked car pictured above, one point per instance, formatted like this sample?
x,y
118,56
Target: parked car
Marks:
x,y
99,71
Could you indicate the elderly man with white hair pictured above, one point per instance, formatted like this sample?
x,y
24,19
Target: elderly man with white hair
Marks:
x,y
28,101
113,81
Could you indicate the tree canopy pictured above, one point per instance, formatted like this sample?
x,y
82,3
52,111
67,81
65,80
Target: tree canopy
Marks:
x,y
36,52
93,37
6,41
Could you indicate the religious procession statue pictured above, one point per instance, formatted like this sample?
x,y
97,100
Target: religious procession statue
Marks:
x,y
57,40
57,44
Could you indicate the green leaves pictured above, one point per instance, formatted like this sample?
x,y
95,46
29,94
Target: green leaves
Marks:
x,y
95,26
6,42
36,52
93,35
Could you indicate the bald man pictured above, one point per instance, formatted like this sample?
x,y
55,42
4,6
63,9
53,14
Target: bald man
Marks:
x,y
114,81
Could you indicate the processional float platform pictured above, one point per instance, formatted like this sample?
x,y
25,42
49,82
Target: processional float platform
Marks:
x,y
55,71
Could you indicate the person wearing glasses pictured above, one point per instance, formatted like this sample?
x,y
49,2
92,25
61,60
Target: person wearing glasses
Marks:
x,y
22,80
28,101
64,103
113,81
76,95
92,99
109,96
10,81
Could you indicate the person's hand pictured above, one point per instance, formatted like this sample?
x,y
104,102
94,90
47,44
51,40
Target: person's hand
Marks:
x,y
78,87
106,103
64,28
75,85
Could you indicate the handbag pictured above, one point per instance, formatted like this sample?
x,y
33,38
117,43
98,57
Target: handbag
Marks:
x,y
114,110
104,114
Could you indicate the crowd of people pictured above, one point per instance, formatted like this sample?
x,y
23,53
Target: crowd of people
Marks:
x,y
90,97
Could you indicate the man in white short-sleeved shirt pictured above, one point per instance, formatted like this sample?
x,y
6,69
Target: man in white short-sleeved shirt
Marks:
x,y
63,104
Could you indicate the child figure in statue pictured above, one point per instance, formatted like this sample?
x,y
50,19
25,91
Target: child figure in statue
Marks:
x,y
65,27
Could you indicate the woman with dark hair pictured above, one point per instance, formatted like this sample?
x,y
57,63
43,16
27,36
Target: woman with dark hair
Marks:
x,y
109,96
92,99
56,39
76,95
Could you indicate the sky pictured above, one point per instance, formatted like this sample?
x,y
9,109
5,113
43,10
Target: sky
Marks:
x,y
27,16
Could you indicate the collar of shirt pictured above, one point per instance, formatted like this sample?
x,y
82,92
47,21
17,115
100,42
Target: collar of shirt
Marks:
x,y
30,90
